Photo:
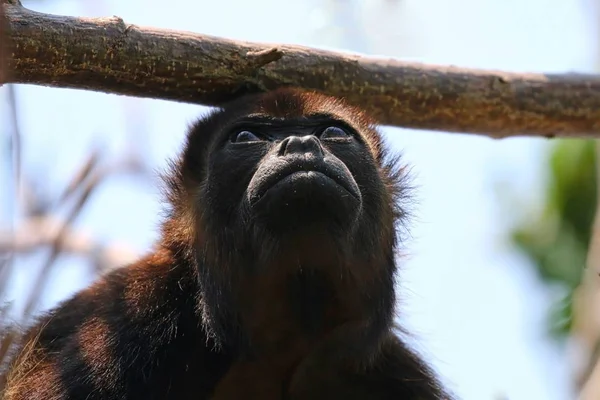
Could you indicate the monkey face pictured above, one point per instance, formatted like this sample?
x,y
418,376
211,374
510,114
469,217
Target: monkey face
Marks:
x,y
299,173
284,163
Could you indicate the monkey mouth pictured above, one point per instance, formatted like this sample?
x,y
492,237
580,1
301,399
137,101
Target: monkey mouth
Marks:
x,y
314,175
311,175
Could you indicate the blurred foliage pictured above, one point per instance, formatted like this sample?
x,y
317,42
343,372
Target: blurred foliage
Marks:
x,y
556,240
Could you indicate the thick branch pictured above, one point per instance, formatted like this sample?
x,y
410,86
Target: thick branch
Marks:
x,y
110,56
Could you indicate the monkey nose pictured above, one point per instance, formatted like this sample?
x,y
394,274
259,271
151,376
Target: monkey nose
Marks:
x,y
300,145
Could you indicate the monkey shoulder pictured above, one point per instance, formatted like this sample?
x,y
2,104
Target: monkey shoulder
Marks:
x,y
135,333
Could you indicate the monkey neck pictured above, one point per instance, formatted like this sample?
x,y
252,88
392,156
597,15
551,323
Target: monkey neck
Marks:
x,y
289,297
302,293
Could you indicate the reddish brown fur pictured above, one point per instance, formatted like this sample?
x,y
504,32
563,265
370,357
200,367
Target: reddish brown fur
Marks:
x,y
31,367
151,321
94,337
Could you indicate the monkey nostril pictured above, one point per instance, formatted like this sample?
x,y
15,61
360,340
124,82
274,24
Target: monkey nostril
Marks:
x,y
300,145
281,151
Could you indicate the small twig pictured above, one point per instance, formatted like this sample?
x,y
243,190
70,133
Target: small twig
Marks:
x,y
6,341
14,152
260,58
8,335
81,175
41,279
39,232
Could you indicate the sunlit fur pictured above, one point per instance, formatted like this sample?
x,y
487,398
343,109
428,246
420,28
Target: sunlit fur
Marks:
x,y
223,299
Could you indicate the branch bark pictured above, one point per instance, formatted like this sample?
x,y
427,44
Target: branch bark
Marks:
x,y
108,55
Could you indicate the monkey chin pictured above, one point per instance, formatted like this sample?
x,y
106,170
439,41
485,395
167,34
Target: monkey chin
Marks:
x,y
305,198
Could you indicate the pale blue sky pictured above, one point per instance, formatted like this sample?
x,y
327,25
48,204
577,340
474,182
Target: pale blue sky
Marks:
x,y
477,311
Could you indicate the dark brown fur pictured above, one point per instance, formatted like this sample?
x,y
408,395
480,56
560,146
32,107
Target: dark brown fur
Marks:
x,y
223,308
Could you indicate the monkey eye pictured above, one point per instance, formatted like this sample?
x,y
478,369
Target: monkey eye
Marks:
x,y
244,136
334,132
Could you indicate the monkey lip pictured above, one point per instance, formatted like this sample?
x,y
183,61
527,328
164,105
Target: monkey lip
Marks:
x,y
311,175
308,174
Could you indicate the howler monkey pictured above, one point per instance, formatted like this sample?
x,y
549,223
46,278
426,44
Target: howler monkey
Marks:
x,y
273,277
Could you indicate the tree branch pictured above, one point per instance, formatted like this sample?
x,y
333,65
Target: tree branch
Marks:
x,y
108,55
37,232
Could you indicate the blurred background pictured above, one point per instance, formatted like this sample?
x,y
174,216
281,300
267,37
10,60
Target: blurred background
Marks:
x,y
500,240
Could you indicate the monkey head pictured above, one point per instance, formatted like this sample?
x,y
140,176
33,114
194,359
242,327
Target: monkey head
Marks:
x,y
284,181
272,166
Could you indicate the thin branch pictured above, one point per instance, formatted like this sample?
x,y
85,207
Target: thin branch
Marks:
x,y
39,232
13,152
8,334
42,278
108,55
85,170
